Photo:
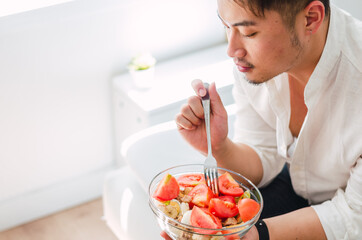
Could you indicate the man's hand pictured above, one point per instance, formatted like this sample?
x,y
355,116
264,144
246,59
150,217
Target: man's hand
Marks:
x,y
191,124
252,234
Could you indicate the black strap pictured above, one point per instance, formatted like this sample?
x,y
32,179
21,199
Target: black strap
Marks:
x,y
262,230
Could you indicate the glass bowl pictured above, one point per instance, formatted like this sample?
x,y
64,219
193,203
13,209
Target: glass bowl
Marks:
x,y
180,231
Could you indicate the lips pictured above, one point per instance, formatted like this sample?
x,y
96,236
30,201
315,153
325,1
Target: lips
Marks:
x,y
243,66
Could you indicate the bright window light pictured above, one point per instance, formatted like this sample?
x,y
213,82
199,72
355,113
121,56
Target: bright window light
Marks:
x,y
9,7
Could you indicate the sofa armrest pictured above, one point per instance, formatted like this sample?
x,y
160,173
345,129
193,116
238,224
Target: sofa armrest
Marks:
x,y
159,147
125,207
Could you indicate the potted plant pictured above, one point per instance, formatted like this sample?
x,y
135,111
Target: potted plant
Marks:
x,y
142,70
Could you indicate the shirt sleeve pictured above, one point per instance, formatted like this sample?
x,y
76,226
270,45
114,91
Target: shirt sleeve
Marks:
x,y
341,217
253,126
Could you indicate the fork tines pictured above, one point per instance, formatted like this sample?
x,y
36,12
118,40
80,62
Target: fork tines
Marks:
x,y
212,180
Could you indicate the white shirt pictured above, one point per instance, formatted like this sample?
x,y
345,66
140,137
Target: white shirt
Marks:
x,y
326,164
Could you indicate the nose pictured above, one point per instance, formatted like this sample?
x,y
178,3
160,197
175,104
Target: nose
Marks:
x,y
235,44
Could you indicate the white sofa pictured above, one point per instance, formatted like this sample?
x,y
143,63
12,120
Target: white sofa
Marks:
x,y
125,198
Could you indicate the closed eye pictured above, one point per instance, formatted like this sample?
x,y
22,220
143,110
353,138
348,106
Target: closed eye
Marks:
x,y
250,35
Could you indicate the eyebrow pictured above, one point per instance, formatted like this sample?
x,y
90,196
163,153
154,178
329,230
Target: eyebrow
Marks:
x,y
245,23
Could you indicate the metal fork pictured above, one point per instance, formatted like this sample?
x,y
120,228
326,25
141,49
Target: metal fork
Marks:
x,y
210,164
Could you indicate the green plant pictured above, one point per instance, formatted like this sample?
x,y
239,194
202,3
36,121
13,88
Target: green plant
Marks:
x,y
142,62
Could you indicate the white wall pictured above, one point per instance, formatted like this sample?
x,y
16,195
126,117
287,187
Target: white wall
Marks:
x,y
354,7
56,66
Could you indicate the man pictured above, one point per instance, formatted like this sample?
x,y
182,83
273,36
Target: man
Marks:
x,y
298,92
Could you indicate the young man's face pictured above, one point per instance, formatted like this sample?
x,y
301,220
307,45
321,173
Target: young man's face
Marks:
x,y
262,48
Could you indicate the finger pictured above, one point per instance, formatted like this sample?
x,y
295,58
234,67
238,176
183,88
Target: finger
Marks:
x,y
183,123
188,113
198,87
196,107
217,106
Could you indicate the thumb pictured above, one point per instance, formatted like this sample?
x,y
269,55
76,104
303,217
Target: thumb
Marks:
x,y
217,107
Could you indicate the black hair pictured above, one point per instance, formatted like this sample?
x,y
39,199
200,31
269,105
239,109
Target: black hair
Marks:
x,y
288,9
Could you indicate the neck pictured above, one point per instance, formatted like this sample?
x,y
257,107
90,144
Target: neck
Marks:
x,y
312,50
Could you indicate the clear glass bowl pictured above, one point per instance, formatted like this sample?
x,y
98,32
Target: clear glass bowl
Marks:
x,y
180,231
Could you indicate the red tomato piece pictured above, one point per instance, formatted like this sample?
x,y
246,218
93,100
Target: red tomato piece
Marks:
x,y
228,199
223,207
248,208
201,195
167,189
201,217
191,180
228,185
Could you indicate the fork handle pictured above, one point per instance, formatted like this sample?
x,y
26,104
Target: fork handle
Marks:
x,y
206,105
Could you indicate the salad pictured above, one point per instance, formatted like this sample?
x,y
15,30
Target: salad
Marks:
x,y
187,199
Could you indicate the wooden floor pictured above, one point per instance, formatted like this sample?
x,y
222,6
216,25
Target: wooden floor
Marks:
x,y
80,223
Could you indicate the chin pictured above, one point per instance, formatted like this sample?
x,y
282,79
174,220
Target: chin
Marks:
x,y
256,80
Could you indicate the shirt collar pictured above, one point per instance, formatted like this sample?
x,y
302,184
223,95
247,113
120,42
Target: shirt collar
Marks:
x,y
329,58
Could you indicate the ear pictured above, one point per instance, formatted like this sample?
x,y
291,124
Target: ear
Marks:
x,y
314,16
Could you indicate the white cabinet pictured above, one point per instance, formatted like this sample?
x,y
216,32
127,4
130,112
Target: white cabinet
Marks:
x,y
136,109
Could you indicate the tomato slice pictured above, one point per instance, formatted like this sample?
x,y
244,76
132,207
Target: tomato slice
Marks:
x,y
201,217
227,198
228,185
201,195
167,189
223,207
191,179
248,208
